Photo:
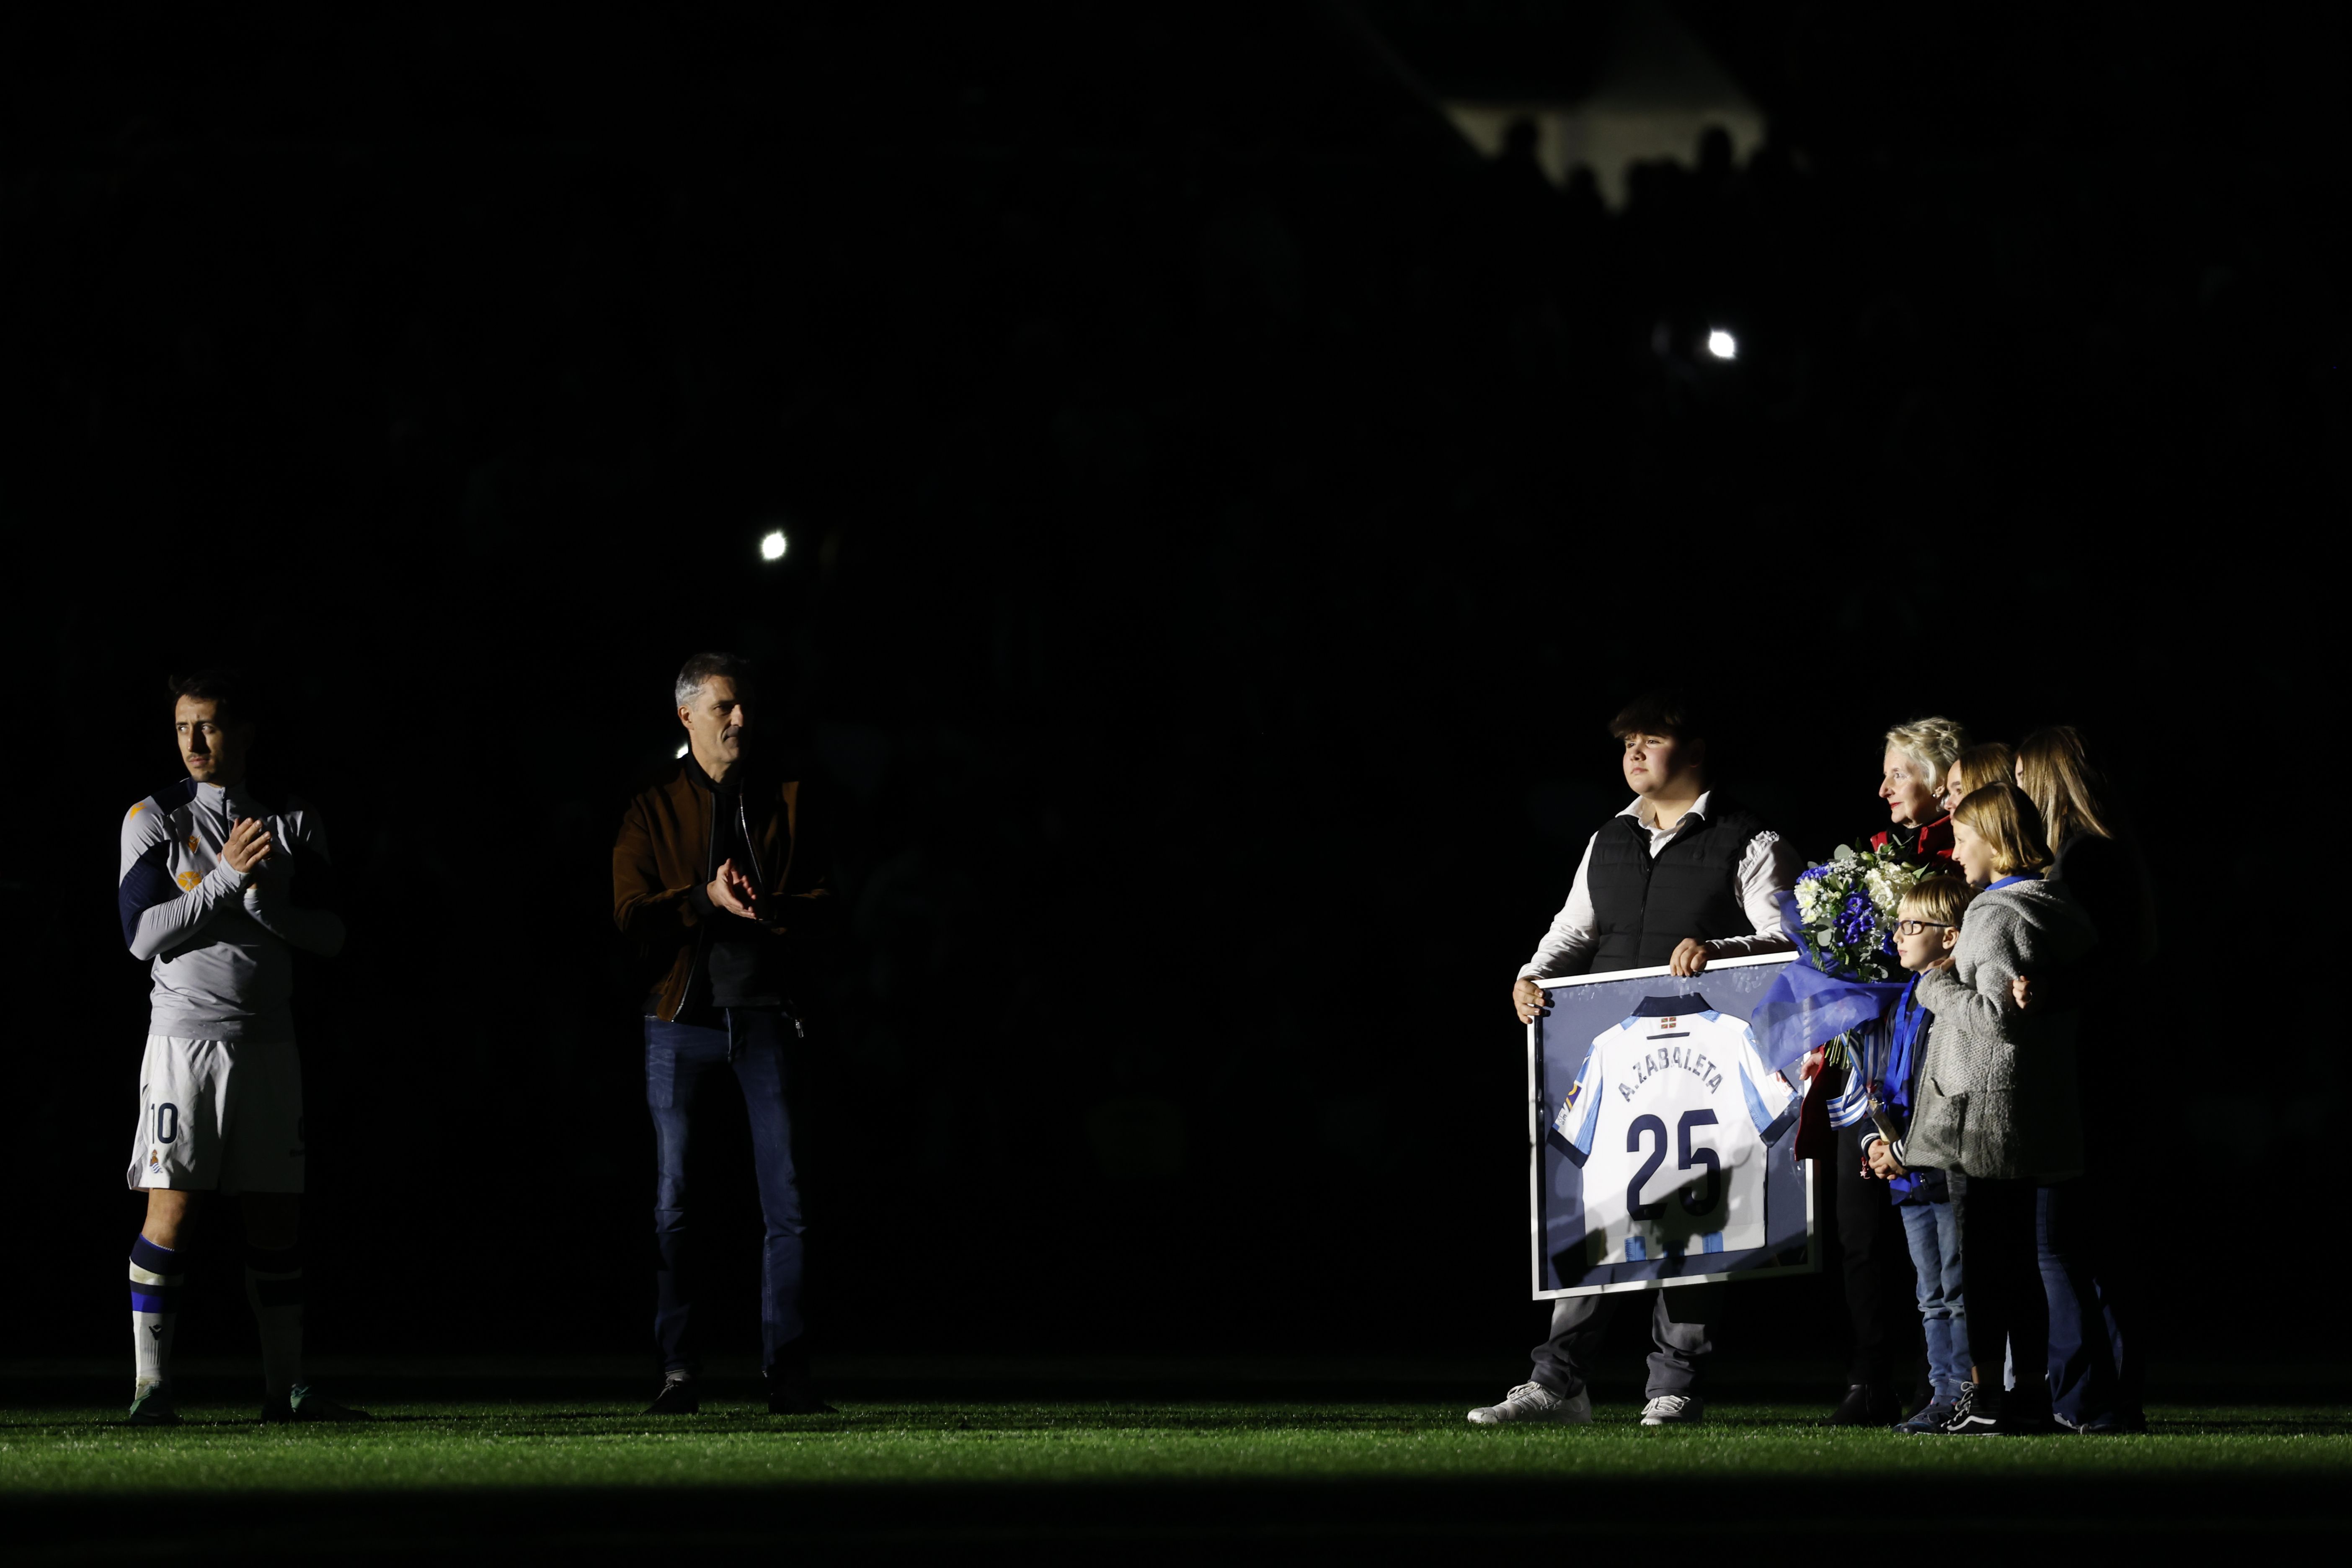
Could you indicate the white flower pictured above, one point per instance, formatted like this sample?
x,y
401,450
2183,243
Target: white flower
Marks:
x,y
1888,887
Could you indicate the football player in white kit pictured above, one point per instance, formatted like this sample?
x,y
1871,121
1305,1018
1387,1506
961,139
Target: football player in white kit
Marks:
x,y
216,887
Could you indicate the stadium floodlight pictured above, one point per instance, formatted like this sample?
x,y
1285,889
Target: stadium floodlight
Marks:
x,y
682,750
1722,345
772,547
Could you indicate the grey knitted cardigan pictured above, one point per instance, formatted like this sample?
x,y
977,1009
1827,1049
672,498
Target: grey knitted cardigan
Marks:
x,y
1995,1093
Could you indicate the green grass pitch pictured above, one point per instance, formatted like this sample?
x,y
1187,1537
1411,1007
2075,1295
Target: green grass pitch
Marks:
x,y
455,1476
583,1446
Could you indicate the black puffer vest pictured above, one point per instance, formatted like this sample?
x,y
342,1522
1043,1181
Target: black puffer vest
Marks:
x,y
1646,904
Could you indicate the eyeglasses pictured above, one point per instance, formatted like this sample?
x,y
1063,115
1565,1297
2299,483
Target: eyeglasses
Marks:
x,y
1913,927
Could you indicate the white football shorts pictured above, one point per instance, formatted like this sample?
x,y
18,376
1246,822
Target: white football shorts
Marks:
x,y
219,1115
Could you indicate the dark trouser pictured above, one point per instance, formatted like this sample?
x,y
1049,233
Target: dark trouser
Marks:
x,y
754,1047
2000,1277
2082,1270
1679,1317
1879,1300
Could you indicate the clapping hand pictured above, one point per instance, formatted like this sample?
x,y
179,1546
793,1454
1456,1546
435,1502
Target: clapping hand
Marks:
x,y
732,891
249,845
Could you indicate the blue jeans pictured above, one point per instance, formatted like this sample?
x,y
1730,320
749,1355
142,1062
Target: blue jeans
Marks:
x,y
2087,1353
1933,1229
754,1046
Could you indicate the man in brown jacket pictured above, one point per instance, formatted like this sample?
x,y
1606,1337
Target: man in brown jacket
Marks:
x,y
717,885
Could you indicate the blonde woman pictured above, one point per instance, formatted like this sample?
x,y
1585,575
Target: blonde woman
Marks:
x,y
1996,1095
1911,781
1871,1243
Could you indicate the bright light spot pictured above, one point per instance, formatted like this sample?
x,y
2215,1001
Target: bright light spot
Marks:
x,y
1720,344
772,547
681,751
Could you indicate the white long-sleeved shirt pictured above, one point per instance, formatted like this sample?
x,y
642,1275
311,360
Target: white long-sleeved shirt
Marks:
x,y
1766,867
217,940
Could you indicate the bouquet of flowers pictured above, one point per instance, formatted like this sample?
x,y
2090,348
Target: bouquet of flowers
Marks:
x,y
1845,911
1845,924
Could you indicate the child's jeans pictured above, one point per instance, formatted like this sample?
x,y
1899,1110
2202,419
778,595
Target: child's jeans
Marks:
x,y
1933,1229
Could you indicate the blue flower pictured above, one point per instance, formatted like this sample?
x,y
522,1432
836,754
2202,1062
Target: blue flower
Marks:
x,y
1857,921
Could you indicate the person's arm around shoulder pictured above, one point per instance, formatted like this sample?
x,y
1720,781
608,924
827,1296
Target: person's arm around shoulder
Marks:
x,y
1566,945
293,896
1991,947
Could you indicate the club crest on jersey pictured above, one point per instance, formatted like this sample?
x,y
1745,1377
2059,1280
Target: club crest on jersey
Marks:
x,y
154,1159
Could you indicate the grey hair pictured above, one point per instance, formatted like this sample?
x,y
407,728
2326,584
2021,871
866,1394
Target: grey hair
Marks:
x,y
696,672
1932,742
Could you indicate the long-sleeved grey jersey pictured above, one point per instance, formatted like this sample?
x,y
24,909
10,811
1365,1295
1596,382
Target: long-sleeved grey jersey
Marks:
x,y
218,939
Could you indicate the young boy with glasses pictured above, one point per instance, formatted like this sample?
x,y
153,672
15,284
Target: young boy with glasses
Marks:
x,y
1928,929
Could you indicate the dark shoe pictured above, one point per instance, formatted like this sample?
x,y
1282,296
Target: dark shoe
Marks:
x,y
790,1395
2112,1425
1976,1413
679,1396
151,1405
2017,1421
1867,1404
1929,1418
302,1405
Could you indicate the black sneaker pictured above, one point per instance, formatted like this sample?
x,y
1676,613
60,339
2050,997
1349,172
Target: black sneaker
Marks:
x,y
1867,1404
1976,1413
679,1396
790,1396
300,1403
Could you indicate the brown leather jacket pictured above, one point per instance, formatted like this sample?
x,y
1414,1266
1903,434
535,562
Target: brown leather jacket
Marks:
x,y
661,865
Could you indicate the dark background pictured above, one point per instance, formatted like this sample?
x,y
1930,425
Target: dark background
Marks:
x,y
1223,514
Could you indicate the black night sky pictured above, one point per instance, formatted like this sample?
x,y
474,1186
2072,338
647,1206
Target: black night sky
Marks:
x,y
1223,510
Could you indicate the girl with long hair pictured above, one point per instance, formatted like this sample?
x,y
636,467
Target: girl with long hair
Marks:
x,y
1996,1096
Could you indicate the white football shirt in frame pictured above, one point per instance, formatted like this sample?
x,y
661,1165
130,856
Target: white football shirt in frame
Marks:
x,y
1669,1120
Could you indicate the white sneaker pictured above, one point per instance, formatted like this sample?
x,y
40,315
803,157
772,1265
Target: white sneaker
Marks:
x,y
1533,1402
1673,1410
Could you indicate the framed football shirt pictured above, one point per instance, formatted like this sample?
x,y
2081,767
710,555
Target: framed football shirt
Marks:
x,y
1660,1138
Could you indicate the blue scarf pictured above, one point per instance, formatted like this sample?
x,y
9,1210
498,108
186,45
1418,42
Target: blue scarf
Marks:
x,y
1911,1021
